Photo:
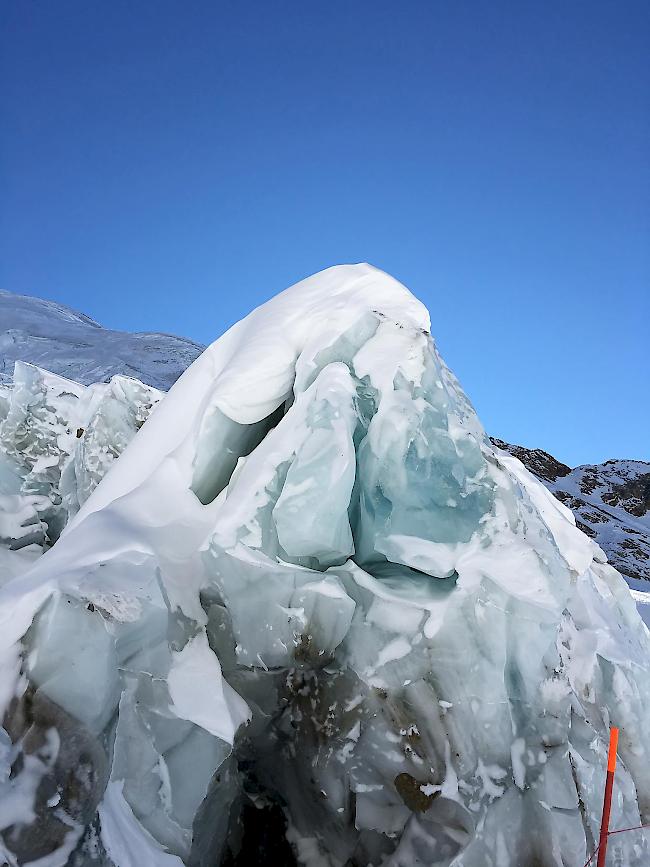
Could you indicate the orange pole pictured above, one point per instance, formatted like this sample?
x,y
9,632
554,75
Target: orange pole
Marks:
x,y
607,801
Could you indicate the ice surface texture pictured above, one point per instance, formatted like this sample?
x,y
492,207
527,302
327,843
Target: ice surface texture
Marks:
x,y
311,588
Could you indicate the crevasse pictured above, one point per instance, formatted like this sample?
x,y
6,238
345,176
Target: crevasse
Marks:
x,y
312,614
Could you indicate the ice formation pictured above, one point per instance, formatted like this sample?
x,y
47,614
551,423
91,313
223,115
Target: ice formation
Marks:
x,y
311,588
57,441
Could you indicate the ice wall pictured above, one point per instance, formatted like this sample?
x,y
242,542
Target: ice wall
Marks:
x,y
311,589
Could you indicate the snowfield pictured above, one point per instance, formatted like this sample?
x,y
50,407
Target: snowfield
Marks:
x,y
611,502
310,588
73,345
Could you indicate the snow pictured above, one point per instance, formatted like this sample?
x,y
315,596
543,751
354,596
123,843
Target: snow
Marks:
x,y
611,502
309,574
216,707
517,750
642,600
74,346
58,439
126,842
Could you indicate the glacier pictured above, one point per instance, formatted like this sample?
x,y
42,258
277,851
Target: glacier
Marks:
x,y
312,596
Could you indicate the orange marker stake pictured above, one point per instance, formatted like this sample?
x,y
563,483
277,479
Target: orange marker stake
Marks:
x,y
607,802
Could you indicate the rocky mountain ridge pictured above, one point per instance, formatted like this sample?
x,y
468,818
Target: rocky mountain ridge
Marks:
x,y
71,344
611,502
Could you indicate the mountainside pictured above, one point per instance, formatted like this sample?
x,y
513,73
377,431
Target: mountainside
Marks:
x,y
73,345
611,502
310,609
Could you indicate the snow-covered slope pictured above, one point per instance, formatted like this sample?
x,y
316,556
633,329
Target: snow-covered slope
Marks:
x,y
311,585
71,344
611,502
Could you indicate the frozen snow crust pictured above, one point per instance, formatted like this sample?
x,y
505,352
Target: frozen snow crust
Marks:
x,y
310,588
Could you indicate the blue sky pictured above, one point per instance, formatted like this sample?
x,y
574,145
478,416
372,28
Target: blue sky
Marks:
x,y
168,166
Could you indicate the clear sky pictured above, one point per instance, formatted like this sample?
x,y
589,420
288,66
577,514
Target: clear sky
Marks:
x,y
170,165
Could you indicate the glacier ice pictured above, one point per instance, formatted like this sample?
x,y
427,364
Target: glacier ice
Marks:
x,y
310,596
73,345
57,441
